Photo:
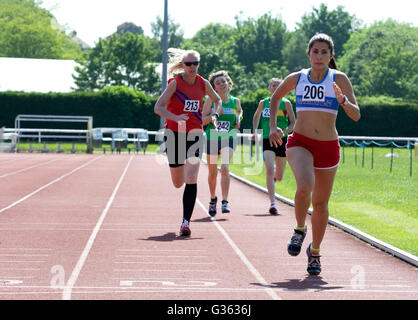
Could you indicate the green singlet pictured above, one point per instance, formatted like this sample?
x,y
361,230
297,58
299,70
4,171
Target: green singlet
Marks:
x,y
282,118
225,123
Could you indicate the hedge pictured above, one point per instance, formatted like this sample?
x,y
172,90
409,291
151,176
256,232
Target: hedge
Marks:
x,y
125,108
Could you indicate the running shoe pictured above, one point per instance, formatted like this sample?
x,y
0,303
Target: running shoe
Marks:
x,y
273,210
314,265
225,208
295,243
212,207
185,230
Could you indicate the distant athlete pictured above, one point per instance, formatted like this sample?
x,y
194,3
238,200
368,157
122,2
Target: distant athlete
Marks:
x,y
274,157
313,149
222,141
181,105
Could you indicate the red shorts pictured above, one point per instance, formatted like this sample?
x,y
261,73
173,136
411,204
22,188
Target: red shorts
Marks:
x,y
326,154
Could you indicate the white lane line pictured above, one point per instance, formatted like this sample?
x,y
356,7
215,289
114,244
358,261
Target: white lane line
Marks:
x,y
162,250
153,256
243,258
23,261
22,255
159,279
66,295
47,185
27,249
163,263
27,168
25,269
186,290
162,270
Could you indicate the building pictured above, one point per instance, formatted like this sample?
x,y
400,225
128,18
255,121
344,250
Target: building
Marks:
x,y
37,75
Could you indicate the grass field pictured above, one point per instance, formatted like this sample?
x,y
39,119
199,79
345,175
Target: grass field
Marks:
x,y
369,196
79,147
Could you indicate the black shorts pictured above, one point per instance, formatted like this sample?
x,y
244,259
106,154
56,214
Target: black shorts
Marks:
x,y
213,147
180,146
280,151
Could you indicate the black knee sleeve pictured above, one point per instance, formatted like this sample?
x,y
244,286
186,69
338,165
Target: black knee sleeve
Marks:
x,y
189,200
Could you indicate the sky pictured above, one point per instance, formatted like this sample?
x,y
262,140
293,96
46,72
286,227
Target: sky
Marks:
x,y
94,19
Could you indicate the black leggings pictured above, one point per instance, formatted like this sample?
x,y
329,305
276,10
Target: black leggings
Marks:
x,y
189,200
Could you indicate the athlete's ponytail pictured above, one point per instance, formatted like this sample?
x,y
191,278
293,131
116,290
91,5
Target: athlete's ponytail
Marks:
x,y
176,57
333,64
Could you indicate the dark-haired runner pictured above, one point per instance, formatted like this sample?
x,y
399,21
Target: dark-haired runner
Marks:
x,y
313,148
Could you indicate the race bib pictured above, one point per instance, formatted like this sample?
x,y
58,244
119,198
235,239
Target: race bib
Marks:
x,y
266,113
228,111
223,125
191,105
313,92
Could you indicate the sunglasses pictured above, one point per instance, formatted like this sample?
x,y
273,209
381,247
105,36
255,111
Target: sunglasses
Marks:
x,y
195,63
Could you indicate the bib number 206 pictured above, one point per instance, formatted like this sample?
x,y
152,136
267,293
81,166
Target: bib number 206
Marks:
x,y
314,93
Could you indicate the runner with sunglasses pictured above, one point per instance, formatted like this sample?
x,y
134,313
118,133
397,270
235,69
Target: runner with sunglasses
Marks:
x,y
181,105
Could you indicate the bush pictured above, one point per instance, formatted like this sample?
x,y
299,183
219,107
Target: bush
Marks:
x,y
126,108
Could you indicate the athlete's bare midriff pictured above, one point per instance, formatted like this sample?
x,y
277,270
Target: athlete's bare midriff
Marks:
x,y
316,125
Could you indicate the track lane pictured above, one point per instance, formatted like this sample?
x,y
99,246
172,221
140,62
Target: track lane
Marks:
x,y
19,184
147,258
137,254
48,231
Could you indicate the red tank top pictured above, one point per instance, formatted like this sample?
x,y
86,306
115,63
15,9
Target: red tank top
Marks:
x,y
188,100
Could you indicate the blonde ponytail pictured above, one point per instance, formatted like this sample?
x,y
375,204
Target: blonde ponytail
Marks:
x,y
176,57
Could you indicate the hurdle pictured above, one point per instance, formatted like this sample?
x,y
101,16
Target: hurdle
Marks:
x,y
54,133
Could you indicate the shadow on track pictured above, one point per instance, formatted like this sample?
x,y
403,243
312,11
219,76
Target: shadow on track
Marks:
x,y
208,219
309,283
169,236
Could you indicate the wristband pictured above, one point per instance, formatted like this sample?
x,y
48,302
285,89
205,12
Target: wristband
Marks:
x,y
344,101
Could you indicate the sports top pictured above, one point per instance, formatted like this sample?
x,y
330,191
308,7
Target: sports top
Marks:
x,y
282,118
312,96
187,99
225,123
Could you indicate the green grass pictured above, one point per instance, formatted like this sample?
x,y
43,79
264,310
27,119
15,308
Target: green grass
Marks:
x,y
80,147
376,201
53,147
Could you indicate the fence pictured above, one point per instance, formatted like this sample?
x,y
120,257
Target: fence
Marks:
x,y
119,137
392,142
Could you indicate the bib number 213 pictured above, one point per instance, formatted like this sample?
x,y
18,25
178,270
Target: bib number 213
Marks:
x,y
191,105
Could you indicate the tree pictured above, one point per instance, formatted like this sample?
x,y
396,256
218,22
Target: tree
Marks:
x,y
294,51
129,27
251,82
215,34
383,60
121,60
338,24
175,33
259,40
28,31
214,43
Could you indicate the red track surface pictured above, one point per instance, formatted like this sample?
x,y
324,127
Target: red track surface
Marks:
x,y
106,227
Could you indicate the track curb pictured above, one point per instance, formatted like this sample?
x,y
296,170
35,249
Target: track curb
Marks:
x,y
386,247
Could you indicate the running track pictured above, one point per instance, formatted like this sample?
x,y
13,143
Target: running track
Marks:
x,y
106,227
